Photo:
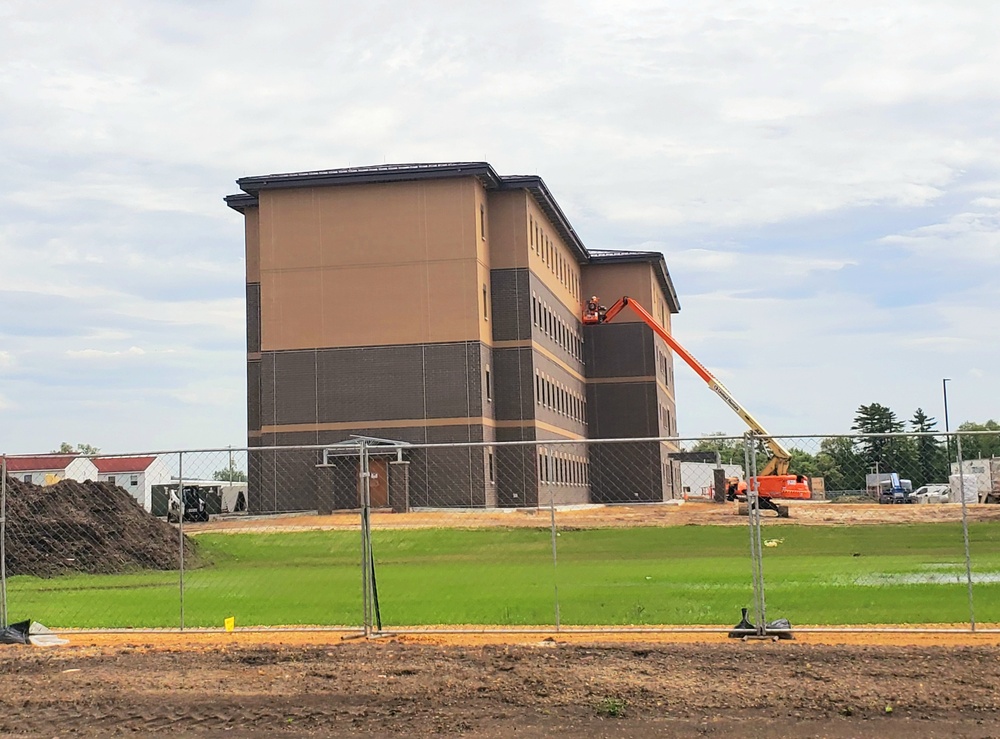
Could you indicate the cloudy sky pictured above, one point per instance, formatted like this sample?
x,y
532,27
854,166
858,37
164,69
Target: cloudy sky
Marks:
x,y
823,178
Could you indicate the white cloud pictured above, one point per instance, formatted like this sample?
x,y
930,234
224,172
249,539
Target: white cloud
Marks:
x,y
133,351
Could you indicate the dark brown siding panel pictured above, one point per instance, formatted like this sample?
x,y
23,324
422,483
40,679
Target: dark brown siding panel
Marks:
x,y
376,383
513,384
295,387
267,390
619,350
253,317
372,384
517,475
626,473
452,380
622,410
253,396
511,299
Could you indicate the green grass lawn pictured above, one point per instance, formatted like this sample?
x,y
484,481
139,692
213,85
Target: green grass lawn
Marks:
x,y
678,575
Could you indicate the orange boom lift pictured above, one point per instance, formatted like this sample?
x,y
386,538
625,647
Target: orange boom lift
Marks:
x,y
773,480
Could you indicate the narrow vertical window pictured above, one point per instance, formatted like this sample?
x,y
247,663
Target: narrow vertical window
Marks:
x,y
486,313
482,221
489,386
490,463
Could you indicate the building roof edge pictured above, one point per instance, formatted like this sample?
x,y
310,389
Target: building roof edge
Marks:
x,y
655,258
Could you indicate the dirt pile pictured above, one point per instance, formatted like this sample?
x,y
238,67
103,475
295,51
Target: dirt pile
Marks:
x,y
90,527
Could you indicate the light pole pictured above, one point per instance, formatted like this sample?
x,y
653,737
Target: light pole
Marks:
x,y
947,437
944,390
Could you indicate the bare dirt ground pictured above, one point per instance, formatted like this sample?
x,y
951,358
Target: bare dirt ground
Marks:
x,y
805,513
299,685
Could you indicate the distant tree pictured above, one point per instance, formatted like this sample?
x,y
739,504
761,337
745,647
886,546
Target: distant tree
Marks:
x,y
230,474
67,448
840,464
802,463
931,456
980,446
891,454
730,450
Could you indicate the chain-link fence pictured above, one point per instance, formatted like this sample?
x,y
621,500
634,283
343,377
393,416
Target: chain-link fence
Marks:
x,y
872,531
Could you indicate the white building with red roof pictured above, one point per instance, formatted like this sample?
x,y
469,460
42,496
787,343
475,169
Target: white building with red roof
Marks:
x,y
48,469
135,475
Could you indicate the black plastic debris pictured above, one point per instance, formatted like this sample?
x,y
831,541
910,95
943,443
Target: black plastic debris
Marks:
x,y
15,633
743,628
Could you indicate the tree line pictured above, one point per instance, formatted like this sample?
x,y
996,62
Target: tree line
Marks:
x,y
844,461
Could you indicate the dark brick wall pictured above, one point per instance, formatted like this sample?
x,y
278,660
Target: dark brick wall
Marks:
x,y
622,410
511,304
253,396
619,350
626,473
285,480
253,317
368,384
513,384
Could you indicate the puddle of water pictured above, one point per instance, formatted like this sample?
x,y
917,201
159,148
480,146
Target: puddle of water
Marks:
x,y
926,578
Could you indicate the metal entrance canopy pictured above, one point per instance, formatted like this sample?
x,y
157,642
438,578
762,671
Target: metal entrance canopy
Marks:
x,y
373,445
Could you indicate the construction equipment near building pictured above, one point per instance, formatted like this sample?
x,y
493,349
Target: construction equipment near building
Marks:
x,y
194,509
774,480
889,488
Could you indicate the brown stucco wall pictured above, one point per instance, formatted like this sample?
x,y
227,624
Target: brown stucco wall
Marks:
x,y
371,265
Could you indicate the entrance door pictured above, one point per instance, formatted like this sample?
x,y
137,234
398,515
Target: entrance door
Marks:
x,y
378,483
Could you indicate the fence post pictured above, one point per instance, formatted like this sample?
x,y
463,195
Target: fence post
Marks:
x,y
555,558
180,529
363,493
3,542
756,548
965,532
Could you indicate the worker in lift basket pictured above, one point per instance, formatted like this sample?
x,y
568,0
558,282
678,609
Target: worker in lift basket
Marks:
x,y
595,311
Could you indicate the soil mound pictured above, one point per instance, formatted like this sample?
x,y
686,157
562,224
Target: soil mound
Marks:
x,y
91,527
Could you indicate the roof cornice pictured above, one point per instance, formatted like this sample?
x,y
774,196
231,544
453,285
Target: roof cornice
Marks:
x,y
653,258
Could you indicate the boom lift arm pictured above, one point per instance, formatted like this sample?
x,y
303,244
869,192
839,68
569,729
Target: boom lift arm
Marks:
x,y
597,313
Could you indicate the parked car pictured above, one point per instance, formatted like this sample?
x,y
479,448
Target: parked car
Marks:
x,y
937,493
